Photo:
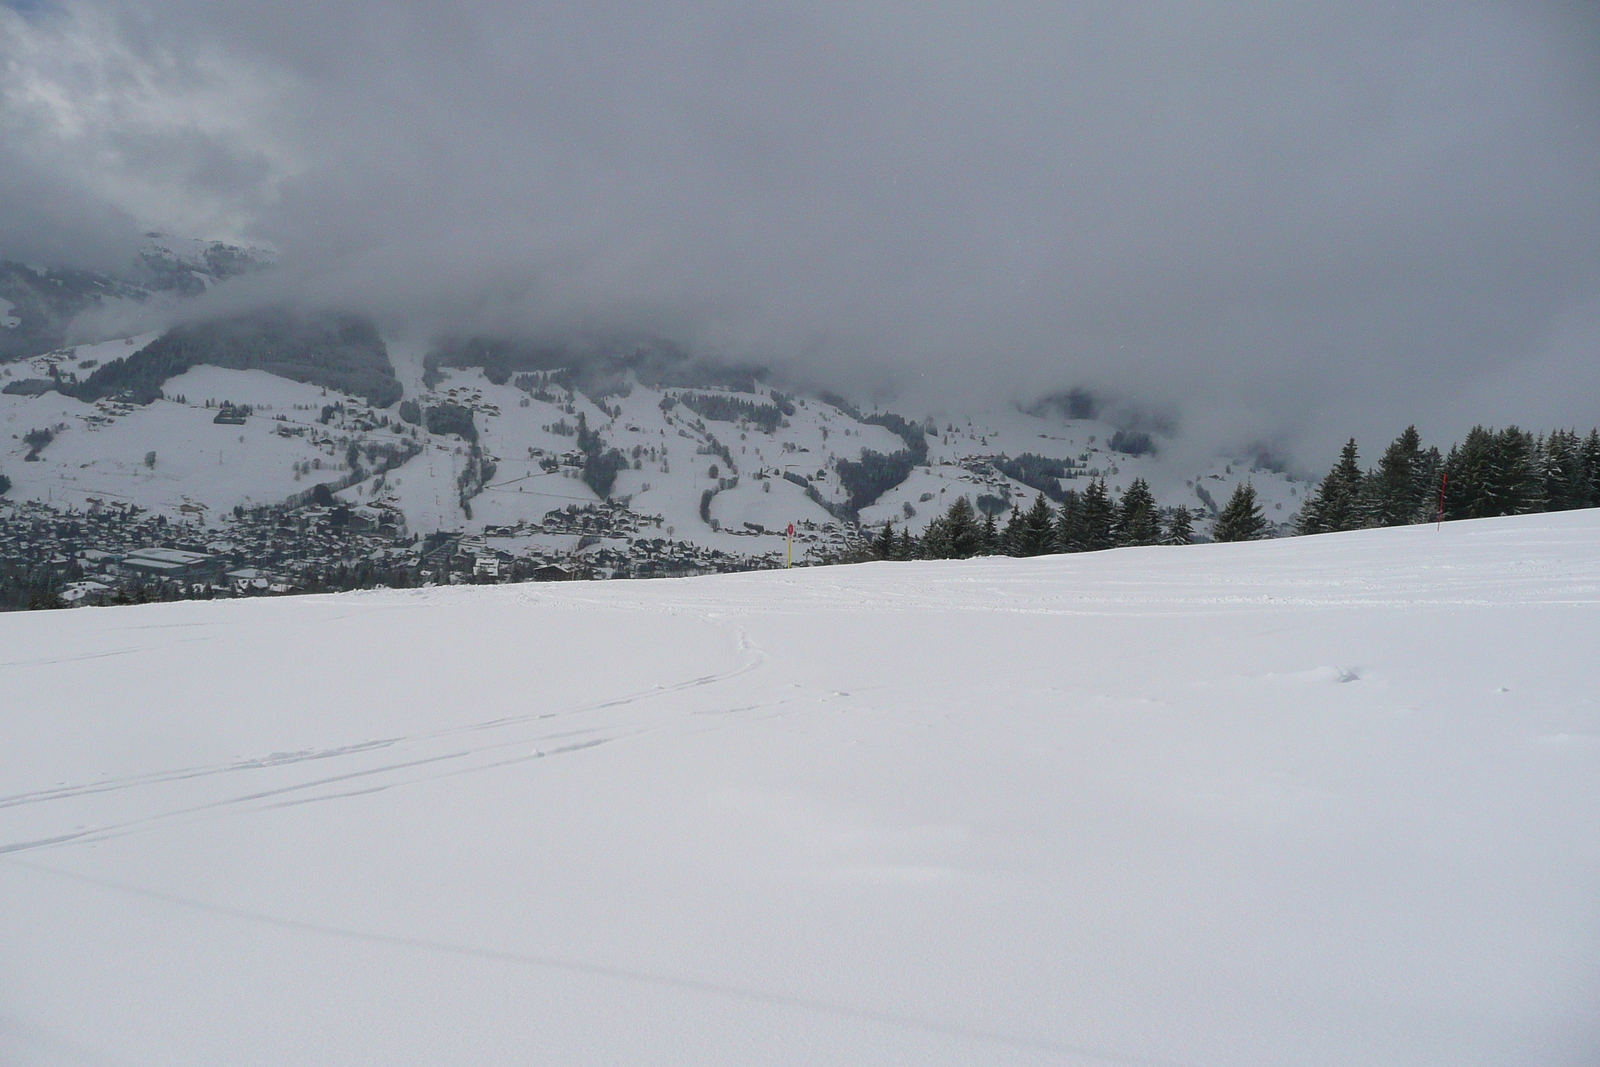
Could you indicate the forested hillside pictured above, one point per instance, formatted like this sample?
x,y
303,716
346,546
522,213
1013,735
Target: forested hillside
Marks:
x,y
335,350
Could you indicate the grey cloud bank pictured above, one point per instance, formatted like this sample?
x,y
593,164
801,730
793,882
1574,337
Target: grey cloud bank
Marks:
x,y
1286,222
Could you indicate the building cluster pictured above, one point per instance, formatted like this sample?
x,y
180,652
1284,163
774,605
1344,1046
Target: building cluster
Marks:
x,y
115,554
121,554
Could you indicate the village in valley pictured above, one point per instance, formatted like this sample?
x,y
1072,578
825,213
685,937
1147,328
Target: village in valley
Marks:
x,y
51,557
224,482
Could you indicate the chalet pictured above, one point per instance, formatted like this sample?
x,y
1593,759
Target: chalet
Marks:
x,y
73,592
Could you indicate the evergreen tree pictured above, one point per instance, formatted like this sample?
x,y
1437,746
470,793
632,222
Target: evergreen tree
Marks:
x,y
1522,464
1401,483
1098,517
1340,502
1429,472
1493,473
935,540
1242,518
966,533
1038,529
955,534
883,546
1591,467
1472,472
1180,527
1069,522
1011,539
989,537
909,547
1566,483
1138,521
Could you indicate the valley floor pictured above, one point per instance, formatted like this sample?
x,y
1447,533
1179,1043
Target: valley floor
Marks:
x,y
1326,800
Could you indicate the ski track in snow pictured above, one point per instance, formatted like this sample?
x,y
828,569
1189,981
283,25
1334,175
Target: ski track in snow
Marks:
x,y
755,658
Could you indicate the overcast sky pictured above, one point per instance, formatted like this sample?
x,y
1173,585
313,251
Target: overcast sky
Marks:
x,y
1288,221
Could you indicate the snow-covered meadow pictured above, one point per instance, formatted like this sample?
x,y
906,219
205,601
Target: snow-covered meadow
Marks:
x,y
1329,800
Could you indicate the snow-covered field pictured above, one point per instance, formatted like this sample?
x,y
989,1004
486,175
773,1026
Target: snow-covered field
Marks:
x,y
1330,800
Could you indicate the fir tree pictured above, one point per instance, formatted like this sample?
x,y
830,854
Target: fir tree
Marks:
x,y
1522,466
1242,518
1591,468
989,537
1429,471
965,532
1180,527
1340,502
908,548
1011,539
1138,522
1069,522
1038,529
1401,483
955,534
1493,473
1565,481
1472,472
1098,517
883,546
935,540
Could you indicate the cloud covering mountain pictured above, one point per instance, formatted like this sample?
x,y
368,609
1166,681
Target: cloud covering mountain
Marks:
x,y
1290,223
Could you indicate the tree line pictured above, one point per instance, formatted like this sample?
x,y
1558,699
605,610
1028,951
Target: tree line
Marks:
x,y
331,349
720,408
1491,473
1089,521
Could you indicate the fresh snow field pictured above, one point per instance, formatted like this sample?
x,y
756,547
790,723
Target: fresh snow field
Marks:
x,y
1330,800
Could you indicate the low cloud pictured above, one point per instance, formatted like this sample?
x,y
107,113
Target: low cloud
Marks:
x,y
1284,225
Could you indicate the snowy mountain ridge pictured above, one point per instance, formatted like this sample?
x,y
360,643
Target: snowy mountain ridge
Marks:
x,y
733,482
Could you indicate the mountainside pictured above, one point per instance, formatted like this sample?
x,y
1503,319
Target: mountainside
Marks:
x,y
39,305
337,351
497,438
1323,800
474,435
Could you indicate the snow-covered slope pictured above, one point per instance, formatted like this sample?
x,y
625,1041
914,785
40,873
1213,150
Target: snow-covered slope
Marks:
x,y
1328,800
100,449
